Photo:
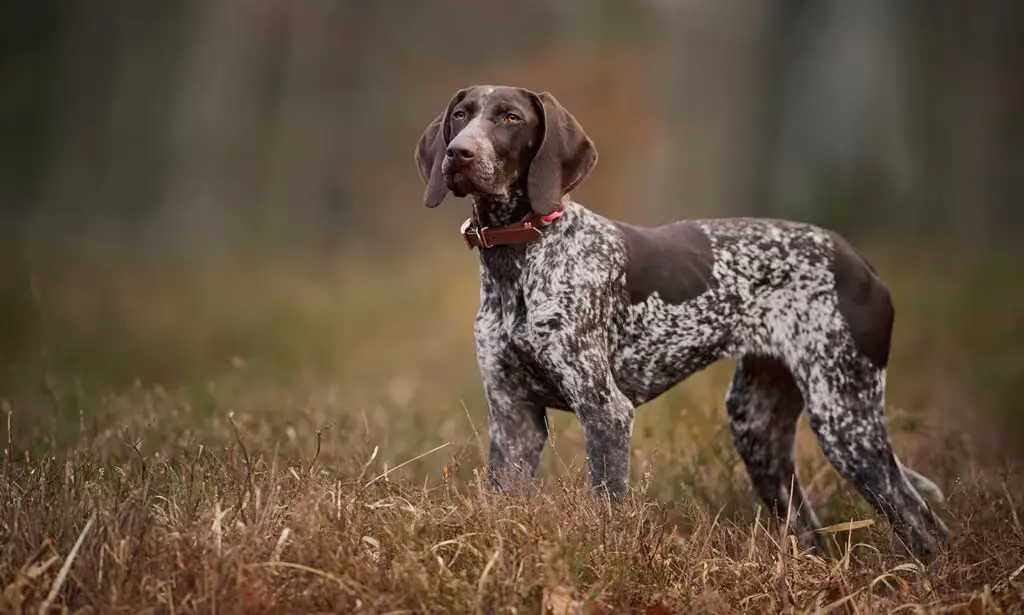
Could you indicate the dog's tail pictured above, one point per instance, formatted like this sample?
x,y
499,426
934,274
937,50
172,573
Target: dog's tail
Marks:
x,y
924,487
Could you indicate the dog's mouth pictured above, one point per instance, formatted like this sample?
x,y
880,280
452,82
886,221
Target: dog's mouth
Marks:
x,y
465,181
459,184
462,184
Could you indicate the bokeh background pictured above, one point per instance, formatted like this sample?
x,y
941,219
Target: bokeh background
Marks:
x,y
211,206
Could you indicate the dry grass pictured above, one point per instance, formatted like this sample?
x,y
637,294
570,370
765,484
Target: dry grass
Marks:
x,y
303,455
133,524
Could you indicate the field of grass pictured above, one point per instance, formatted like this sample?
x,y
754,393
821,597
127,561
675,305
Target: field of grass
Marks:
x,y
311,437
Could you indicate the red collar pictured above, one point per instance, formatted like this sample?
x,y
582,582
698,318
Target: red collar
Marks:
x,y
524,231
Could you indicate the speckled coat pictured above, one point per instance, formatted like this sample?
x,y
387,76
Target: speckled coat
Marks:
x,y
598,316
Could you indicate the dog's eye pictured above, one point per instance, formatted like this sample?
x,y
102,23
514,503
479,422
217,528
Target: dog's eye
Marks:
x,y
458,115
512,118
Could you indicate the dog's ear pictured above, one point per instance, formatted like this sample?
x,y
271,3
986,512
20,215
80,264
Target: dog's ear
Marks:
x,y
565,156
430,152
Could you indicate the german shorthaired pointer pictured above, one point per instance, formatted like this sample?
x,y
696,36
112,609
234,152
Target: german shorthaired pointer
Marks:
x,y
594,316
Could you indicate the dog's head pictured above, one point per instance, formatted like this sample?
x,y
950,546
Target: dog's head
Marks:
x,y
492,138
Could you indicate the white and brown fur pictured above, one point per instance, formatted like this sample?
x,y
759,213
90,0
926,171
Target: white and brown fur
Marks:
x,y
598,316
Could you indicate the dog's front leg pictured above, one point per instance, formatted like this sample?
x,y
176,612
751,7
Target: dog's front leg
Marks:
x,y
579,365
607,419
518,432
517,425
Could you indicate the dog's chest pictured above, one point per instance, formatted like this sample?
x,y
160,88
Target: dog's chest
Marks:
x,y
511,316
506,341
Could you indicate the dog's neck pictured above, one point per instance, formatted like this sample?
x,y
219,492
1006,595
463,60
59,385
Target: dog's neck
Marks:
x,y
502,262
494,211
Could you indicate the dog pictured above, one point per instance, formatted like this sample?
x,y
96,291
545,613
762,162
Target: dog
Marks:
x,y
596,316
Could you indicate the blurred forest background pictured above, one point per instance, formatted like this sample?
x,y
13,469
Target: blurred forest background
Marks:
x,y
201,188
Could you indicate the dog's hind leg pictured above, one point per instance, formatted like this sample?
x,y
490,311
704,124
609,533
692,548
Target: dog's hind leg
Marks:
x,y
764,406
924,486
845,410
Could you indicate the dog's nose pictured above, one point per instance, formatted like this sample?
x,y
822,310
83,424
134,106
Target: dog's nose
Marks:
x,y
460,153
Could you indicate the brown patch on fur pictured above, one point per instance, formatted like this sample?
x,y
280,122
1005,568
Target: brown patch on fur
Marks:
x,y
864,302
674,260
